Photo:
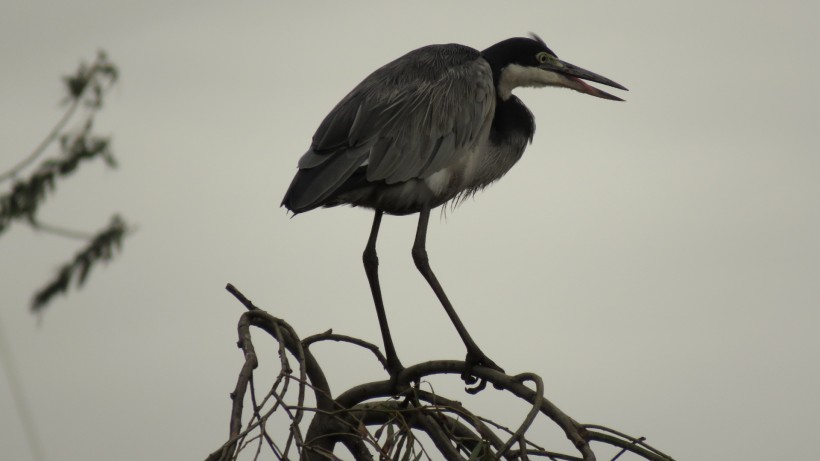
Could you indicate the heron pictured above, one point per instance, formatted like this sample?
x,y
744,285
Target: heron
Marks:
x,y
429,128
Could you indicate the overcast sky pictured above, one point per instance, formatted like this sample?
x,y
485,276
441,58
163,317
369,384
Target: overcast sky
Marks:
x,y
656,261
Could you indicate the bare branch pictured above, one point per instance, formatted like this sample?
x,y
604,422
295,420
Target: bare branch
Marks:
x,y
518,436
330,336
369,420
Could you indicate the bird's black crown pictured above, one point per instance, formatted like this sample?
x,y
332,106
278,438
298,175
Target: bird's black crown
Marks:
x,y
517,50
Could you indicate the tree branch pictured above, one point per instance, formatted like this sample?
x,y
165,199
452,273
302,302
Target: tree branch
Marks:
x,y
358,417
101,248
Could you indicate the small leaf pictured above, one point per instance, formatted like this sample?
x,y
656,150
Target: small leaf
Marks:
x,y
100,248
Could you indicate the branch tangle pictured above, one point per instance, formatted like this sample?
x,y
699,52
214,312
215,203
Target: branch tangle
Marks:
x,y
369,420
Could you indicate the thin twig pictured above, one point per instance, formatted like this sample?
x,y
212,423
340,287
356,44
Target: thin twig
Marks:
x,y
238,295
635,440
536,408
61,231
330,336
50,137
17,391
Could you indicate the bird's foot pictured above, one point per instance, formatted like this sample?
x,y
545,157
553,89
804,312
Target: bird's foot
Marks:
x,y
476,358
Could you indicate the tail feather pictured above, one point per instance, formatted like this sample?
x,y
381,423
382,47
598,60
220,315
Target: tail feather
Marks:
x,y
314,187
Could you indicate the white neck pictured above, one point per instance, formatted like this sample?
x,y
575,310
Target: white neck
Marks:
x,y
516,75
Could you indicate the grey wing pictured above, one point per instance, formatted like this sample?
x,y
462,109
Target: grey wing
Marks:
x,y
409,119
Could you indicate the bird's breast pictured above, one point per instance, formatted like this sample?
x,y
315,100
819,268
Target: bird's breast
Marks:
x,y
478,168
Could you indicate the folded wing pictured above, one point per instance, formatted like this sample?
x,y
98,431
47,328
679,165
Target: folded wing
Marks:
x,y
406,120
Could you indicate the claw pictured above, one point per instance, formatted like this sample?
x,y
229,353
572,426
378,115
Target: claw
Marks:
x,y
482,384
476,358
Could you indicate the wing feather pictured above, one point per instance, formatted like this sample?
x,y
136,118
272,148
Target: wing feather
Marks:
x,y
408,119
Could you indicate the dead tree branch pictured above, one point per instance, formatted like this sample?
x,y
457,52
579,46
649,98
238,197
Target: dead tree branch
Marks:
x,y
370,421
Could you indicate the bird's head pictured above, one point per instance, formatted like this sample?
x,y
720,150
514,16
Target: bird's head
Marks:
x,y
529,62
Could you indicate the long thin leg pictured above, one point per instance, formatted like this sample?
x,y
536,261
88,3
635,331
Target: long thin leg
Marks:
x,y
474,355
371,268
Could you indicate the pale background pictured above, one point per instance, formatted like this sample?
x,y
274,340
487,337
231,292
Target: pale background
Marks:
x,y
656,261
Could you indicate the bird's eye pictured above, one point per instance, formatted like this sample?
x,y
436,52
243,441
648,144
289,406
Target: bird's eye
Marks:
x,y
543,57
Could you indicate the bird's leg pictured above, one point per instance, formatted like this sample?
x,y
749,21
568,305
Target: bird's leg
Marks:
x,y
475,357
371,267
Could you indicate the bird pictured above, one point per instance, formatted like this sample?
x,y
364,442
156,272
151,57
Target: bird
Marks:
x,y
432,127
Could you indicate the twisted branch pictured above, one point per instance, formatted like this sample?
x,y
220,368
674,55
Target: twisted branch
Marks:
x,y
359,417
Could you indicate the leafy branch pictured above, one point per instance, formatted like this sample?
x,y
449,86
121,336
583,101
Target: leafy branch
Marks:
x,y
31,185
101,248
87,86
25,197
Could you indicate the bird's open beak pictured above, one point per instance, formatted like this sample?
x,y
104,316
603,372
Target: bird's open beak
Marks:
x,y
572,75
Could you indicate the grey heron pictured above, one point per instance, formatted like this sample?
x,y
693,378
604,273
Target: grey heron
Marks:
x,y
430,127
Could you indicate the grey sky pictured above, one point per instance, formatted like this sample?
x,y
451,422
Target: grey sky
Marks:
x,y
656,261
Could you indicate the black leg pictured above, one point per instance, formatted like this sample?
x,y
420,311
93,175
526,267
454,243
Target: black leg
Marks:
x,y
371,267
475,357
